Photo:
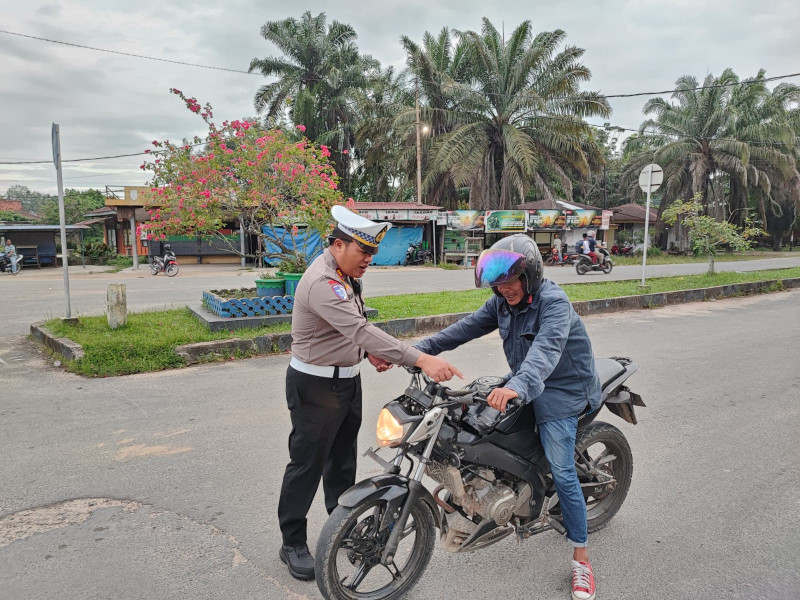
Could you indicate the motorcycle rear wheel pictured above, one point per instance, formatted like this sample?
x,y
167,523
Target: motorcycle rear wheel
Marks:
x,y
581,267
172,270
350,541
596,443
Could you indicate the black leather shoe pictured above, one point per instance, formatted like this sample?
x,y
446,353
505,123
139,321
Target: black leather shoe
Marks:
x,y
299,561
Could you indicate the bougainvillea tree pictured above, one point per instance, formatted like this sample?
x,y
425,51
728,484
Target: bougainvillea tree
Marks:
x,y
240,173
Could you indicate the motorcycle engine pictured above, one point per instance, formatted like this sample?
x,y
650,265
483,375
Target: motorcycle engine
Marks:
x,y
482,494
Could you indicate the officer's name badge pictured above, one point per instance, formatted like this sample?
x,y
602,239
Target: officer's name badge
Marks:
x,y
338,289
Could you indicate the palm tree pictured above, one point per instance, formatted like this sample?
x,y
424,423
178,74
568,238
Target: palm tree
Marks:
x,y
387,134
779,205
722,131
318,76
519,123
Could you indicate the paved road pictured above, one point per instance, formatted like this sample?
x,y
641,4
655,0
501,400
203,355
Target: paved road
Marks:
x,y
38,294
165,485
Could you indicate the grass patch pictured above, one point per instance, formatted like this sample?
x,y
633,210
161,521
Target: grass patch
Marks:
x,y
146,343
669,259
437,303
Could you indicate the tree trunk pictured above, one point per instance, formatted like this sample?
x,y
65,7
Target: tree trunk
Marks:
x,y
711,264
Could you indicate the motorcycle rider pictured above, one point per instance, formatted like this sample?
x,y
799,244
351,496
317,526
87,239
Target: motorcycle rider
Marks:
x,y
552,366
589,245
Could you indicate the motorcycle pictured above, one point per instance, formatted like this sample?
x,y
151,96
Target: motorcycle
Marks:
x,y
416,255
584,264
569,258
622,251
492,477
554,258
5,263
167,264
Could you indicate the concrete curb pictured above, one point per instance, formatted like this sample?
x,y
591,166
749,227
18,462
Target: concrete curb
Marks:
x,y
63,346
282,342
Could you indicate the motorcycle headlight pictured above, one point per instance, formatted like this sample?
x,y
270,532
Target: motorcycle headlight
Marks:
x,y
389,430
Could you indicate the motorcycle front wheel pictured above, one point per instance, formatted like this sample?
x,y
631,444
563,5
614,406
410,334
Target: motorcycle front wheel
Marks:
x,y
347,564
603,447
172,270
607,266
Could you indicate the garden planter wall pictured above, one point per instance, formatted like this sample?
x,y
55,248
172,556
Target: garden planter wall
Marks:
x,y
248,307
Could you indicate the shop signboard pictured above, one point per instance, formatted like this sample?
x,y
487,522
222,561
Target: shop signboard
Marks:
x,y
421,215
398,214
582,219
465,219
545,219
506,221
606,219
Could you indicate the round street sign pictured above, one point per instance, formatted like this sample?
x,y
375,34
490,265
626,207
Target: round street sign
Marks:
x,y
652,175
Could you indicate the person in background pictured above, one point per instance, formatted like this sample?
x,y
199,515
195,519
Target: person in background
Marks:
x,y
11,253
557,246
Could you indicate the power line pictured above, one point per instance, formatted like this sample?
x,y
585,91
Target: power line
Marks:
x,y
150,152
629,95
166,60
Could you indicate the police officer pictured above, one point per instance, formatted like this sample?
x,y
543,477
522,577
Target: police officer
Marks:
x,y
330,337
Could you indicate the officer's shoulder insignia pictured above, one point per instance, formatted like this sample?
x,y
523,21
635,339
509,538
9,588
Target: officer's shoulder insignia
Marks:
x,y
338,289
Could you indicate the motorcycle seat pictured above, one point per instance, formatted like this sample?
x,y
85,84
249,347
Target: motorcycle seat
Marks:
x,y
608,370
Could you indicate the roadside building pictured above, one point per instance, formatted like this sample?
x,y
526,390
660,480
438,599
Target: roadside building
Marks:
x,y
411,223
630,218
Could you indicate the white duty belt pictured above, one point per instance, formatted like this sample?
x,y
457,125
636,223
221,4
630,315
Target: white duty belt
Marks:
x,y
319,371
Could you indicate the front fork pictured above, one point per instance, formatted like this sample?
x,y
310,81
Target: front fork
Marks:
x,y
415,489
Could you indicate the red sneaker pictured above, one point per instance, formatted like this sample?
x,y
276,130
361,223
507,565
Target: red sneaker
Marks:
x,y
582,581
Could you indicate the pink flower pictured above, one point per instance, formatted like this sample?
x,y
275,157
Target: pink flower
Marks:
x,y
344,152
301,127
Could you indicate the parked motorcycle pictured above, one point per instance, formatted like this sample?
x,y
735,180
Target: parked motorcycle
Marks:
x,y
417,255
622,251
569,258
167,264
5,263
554,258
493,481
584,264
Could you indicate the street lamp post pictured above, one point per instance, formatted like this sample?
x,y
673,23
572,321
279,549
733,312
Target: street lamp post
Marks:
x,y
419,150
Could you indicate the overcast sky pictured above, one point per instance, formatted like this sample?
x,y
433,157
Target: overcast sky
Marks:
x,y
108,104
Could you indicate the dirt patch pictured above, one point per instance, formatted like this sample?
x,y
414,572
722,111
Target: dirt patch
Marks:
x,y
26,523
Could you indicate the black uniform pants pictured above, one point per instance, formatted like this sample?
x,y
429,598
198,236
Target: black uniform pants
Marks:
x,y
326,417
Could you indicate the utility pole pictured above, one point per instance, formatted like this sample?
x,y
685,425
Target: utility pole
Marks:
x,y
605,195
419,152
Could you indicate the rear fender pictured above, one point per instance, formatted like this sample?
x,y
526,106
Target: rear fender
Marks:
x,y
393,489
622,403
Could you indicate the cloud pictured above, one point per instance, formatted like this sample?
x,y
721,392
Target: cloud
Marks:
x,y
109,104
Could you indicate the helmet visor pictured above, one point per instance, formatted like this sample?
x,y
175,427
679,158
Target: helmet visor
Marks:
x,y
496,266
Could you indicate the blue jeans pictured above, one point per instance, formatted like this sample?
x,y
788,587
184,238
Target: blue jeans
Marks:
x,y
558,441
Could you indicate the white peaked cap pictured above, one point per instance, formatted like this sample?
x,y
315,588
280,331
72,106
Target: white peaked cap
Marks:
x,y
367,233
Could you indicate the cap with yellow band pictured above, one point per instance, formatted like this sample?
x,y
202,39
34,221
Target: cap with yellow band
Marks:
x,y
368,234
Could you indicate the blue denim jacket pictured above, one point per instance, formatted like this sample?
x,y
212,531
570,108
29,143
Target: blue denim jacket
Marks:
x,y
546,346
